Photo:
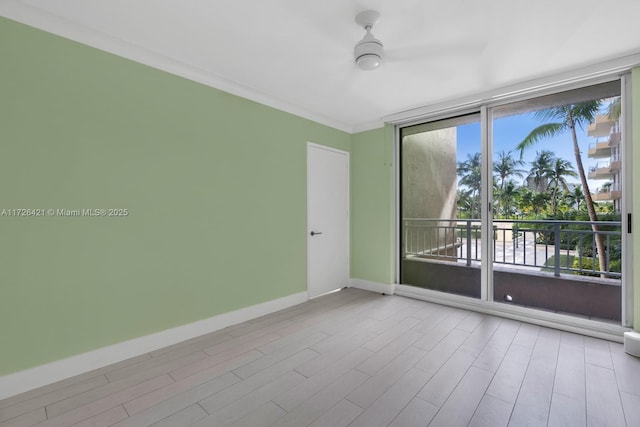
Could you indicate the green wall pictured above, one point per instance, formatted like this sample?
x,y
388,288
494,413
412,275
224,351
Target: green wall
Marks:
x,y
214,185
635,219
372,206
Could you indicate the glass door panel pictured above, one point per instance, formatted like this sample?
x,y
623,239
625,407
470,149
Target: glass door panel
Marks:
x,y
440,205
557,172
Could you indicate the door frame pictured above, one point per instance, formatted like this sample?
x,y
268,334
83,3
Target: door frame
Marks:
x,y
307,229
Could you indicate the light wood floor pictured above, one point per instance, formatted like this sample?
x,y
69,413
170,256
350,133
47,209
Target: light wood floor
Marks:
x,y
359,359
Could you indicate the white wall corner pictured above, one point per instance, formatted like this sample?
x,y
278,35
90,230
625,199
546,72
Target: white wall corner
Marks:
x,y
39,376
381,288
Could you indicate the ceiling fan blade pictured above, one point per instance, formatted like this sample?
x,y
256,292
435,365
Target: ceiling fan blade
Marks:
x,y
441,51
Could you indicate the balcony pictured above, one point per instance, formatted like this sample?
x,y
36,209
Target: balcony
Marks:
x,y
602,126
604,170
599,149
550,265
607,193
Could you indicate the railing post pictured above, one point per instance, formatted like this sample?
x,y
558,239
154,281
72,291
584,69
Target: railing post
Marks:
x,y
468,242
556,249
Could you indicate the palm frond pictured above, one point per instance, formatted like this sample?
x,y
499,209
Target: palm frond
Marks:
x,y
547,130
585,112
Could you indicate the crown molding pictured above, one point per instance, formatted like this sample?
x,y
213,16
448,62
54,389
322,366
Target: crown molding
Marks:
x,y
46,21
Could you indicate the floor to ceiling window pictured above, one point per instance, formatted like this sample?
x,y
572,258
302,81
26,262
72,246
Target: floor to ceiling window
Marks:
x,y
552,235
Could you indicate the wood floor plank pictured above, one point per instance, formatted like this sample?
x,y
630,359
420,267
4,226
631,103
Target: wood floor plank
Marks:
x,y
483,333
261,417
104,419
378,342
69,384
527,335
461,405
210,361
434,335
507,380
177,403
596,352
604,407
251,401
386,354
25,420
150,399
534,399
570,372
331,357
627,369
388,406
566,411
157,365
631,407
294,397
341,415
55,395
185,417
99,406
378,384
279,355
152,370
491,412
471,322
417,413
439,387
439,354
321,402
236,391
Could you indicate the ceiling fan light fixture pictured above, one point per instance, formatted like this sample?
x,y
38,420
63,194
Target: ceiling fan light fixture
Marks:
x,y
369,61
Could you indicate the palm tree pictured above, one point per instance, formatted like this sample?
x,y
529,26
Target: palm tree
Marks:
x,y
576,196
470,175
560,120
507,196
505,167
560,169
541,166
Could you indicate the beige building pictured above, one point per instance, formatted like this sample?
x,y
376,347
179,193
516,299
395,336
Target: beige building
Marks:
x,y
606,151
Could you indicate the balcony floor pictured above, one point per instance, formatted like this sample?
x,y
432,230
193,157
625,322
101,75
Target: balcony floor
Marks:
x,y
360,359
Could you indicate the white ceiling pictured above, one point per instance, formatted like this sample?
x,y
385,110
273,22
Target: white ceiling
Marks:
x,y
297,55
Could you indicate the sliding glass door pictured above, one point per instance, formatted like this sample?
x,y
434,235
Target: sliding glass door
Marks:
x,y
551,168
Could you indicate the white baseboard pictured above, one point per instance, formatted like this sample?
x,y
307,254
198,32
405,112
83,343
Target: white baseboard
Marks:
x,y
381,288
39,376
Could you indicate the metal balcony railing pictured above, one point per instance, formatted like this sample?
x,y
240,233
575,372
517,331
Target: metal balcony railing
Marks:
x,y
523,244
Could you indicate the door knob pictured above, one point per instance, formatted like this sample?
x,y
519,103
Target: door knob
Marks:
x,y
313,233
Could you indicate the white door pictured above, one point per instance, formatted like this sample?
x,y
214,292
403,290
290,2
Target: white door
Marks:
x,y
327,219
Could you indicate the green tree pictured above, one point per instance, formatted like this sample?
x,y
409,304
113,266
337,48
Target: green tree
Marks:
x,y
470,176
563,119
524,200
508,195
540,202
575,197
505,167
541,166
560,169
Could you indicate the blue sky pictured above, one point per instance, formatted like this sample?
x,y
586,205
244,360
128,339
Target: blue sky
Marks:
x,y
509,131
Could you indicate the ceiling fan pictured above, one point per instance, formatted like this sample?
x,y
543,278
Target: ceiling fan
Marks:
x,y
369,52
